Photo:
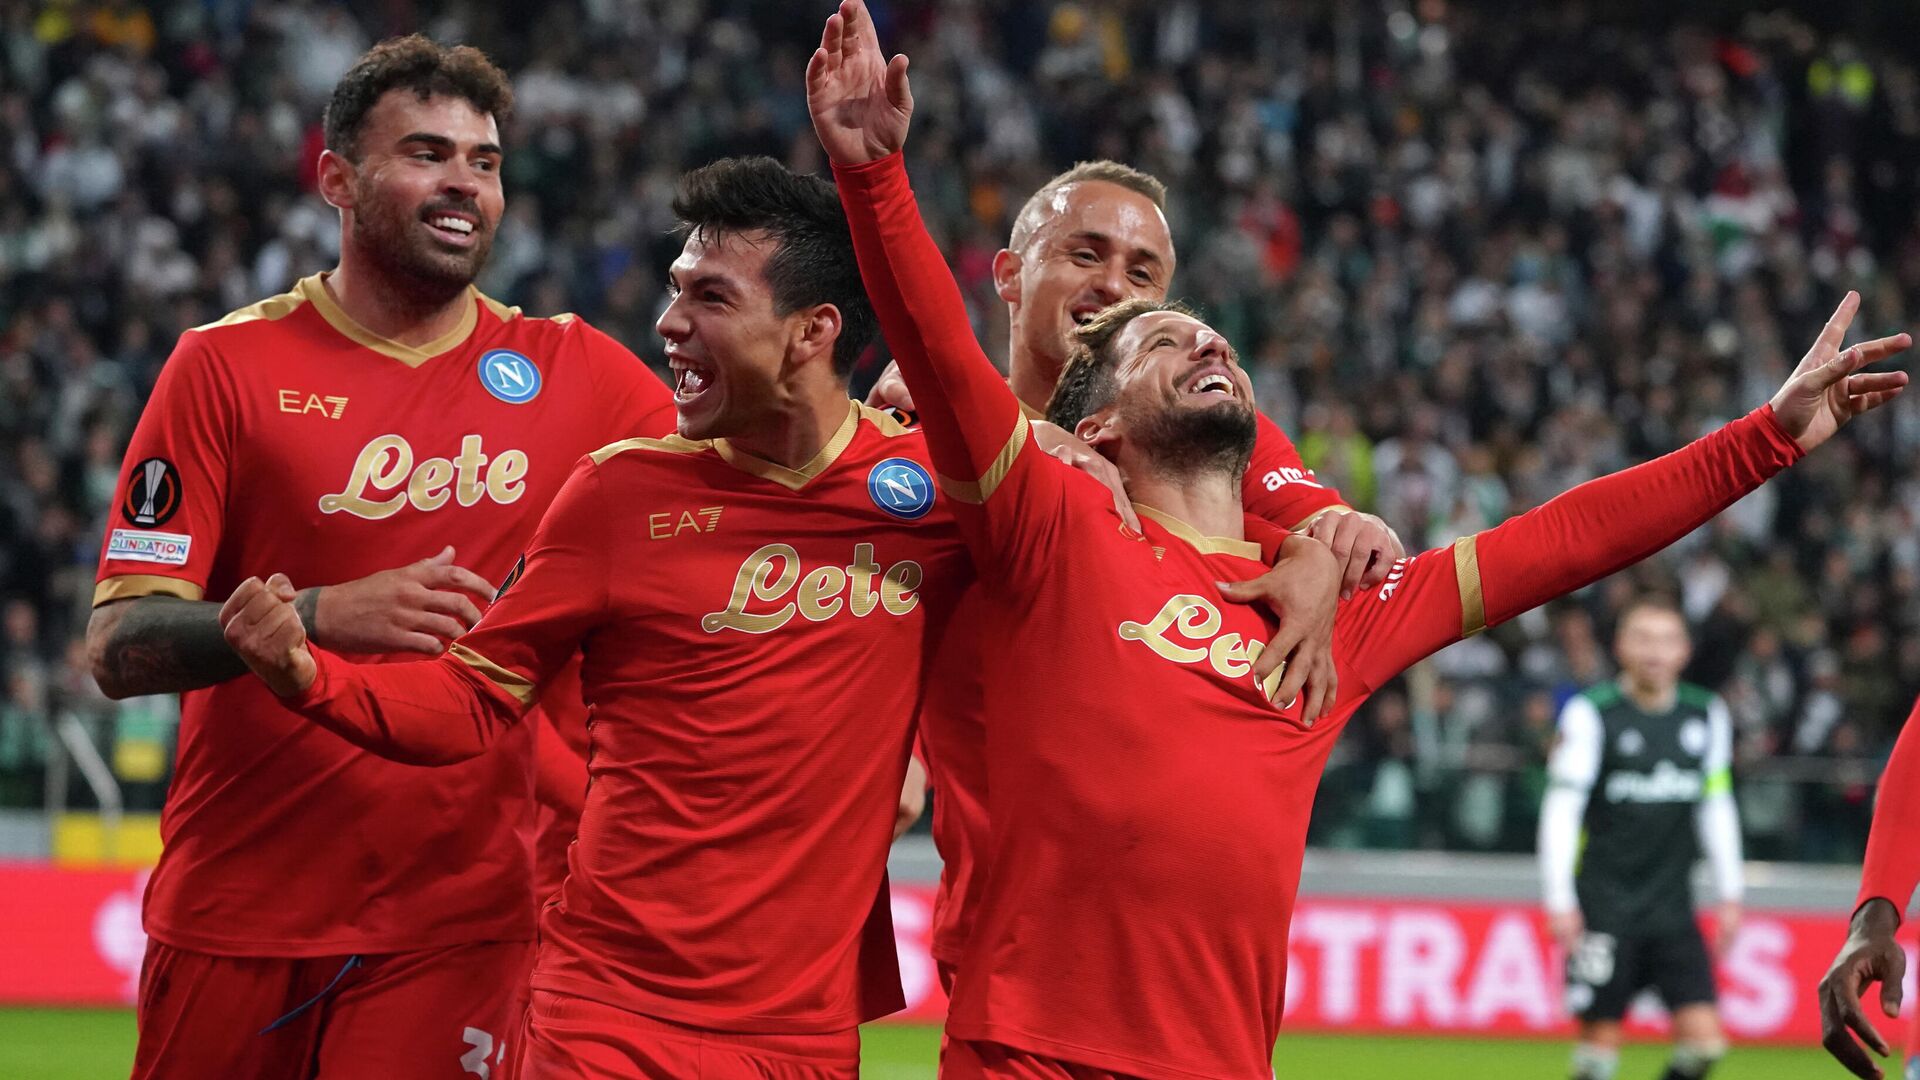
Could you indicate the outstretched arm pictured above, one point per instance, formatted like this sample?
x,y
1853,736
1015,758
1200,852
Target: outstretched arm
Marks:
x,y
1611,523
453,708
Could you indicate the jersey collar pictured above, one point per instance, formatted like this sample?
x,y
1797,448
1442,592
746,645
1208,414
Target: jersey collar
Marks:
x,y
314,290
794,479
1206,545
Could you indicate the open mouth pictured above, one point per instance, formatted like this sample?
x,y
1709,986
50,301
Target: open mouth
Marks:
x,y
690,380
1082,314
1212,381
454,228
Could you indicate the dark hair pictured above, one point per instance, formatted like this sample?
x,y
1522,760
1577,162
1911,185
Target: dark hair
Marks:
x,y
813,262
1087,384
418,64
1651,601
1034,210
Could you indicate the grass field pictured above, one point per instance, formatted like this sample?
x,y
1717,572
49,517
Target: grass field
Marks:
x,y
81,1044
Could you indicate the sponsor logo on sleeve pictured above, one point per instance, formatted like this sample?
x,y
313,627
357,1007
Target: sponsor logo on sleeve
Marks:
x,y
902,487
139,545
1286,477
509,376
153,493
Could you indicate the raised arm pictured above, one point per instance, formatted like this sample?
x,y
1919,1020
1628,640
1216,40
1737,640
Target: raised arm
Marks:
x,y
453,708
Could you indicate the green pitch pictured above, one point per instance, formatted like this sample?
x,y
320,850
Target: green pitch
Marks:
x,y
87,1044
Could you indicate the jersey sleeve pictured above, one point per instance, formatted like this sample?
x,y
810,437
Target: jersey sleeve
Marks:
x,y
1717,817
1572,768
1892,867
1278,486
628,394
1007,492
170,510
451,708
1567,543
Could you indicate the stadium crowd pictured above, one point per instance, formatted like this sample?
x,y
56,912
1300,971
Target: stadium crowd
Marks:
x,y
1473,257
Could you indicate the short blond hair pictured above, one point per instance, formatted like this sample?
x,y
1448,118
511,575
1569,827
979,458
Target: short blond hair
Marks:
x,y
1034,211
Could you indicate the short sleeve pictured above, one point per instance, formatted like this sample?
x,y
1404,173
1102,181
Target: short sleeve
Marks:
x,y
169,512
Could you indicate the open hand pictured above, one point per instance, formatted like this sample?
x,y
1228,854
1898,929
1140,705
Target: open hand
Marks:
x,y
1302,591
262,628
1869,955
1828,388
860,100
419,607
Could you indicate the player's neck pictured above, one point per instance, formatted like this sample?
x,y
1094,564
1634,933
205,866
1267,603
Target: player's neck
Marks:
x,y
798,429
1031,377
1209,501
1649,697
392,312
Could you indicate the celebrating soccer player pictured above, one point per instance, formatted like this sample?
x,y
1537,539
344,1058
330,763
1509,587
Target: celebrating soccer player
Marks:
x,y
1642,766
317,907
1887,881
1133,755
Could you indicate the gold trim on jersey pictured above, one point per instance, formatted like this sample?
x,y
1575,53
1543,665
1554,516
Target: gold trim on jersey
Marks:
x,y
508,313
1206,545
271,309
131,586
519,687
314,289
978,491
794,479
885,421
1466,570
672,444
1315,516
1030,412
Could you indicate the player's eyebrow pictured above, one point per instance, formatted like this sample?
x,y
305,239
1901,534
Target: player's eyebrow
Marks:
x,y
444,143
702,281
1094,236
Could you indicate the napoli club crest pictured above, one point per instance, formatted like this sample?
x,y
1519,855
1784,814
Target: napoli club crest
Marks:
x,y
509,376
902,487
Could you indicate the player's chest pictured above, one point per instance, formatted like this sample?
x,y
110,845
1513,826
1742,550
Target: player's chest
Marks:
x,y
741,568
380,444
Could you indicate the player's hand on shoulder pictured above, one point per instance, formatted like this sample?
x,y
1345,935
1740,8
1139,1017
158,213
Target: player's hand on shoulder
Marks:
x,y
1303,592
1869,955
262,628
1364,545
860,100
1829,388
891,389
1058,442
419,607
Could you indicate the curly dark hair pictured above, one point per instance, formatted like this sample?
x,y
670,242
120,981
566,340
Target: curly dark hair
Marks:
x,y
813,262
1087,384
418,64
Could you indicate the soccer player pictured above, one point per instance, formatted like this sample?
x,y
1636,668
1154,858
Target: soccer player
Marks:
x,y
1148,813
318,910
1642,766
1869,954
1094,235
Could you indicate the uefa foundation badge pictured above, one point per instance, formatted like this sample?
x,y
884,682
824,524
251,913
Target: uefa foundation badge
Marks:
x,y
902,487
509,376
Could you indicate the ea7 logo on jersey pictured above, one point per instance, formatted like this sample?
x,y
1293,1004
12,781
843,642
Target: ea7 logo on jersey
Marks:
x,y
666,525
386,465
771,574
1187,631
1284,477
331,406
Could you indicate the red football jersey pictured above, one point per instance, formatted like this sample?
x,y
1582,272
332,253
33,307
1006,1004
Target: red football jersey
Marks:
x,y
285,437
1148,804
756,640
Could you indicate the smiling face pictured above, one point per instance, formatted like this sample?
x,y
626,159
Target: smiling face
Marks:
x,y
1180,396
726,343
423,199
1087,245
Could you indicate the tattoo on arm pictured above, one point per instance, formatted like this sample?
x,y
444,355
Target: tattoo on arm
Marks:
x,y
162,645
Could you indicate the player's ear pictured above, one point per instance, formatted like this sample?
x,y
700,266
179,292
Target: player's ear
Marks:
x,y
1006,275
815,330
336,180
1099,428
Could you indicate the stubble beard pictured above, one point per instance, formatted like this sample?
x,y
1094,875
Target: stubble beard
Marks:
x,y
1186,442
407,259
